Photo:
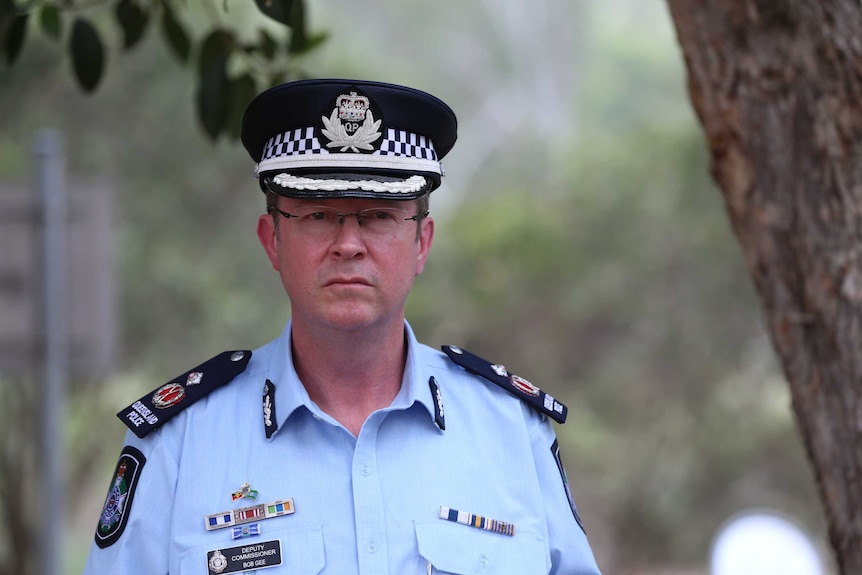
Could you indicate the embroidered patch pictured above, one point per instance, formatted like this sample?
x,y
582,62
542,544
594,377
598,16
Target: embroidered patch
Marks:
x,y
351,124
270,424
118,505
555,450
439,413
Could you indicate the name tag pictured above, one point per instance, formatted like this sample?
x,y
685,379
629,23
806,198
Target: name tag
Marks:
x,y
244,557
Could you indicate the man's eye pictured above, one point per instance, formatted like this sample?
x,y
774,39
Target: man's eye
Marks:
x,y
382,215
316,216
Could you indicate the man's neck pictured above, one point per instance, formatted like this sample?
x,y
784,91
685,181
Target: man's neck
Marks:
x,y
349,375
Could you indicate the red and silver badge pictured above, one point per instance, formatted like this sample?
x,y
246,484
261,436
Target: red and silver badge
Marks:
x,y
523,385
168,395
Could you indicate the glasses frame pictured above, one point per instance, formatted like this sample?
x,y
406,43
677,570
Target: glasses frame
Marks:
x,y
359,215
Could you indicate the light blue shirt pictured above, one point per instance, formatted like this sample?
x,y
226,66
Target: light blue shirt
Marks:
x,y
365,505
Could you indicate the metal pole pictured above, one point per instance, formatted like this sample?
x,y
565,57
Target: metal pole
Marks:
x,y
50,178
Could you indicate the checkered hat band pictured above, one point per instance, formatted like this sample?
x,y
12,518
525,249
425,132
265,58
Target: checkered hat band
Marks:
x,y
303,141
401,143
299,141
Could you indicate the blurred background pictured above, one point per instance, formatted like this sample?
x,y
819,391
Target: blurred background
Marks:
x,y
580,242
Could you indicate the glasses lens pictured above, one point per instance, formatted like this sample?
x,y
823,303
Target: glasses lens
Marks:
x,y
325,221
382,220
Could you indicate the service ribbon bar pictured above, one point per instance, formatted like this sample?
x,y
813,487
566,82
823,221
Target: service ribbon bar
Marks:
x,y
249,514
477,521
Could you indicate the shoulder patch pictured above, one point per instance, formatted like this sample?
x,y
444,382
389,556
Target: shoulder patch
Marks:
x,y
115,512
517,386
158,407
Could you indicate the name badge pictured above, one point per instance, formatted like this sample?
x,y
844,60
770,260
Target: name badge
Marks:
x,y
244,557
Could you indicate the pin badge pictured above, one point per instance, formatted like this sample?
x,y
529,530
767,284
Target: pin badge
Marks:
x,y
194,378
244,492
217,562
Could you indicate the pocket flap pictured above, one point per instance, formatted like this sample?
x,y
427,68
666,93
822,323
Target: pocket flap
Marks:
x,y
464,550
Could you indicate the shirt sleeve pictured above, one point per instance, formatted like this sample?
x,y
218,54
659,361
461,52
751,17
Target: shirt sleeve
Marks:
x,y
570,551
133,530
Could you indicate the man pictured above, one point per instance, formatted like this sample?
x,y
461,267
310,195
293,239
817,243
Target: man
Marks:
x,y
344,446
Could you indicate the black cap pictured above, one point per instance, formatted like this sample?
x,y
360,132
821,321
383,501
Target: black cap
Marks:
x,y
335,138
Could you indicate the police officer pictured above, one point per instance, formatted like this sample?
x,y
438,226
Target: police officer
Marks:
x,y
344,446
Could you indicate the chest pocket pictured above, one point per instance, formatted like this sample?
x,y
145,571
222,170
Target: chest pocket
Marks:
x,y
462,550
301,553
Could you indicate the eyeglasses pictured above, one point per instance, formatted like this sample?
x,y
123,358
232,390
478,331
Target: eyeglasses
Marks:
x,y
326,221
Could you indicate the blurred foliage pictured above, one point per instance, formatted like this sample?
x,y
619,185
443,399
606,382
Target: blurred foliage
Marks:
x,y
233,56
585,247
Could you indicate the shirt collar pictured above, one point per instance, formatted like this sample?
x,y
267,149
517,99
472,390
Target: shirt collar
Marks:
x,y
290,394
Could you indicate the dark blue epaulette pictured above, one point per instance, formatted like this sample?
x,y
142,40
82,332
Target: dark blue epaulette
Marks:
x,y
517,386
158,407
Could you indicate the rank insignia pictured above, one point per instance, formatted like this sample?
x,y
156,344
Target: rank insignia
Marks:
x,y
118,504
244,491
168,395
156,408
516,385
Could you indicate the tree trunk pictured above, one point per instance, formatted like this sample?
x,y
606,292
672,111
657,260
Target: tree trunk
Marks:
x,y
777,85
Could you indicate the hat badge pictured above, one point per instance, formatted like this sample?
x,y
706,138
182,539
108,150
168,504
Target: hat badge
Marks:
x,y
351,125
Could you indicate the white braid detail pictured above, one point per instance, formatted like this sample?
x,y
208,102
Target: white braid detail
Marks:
x,y
408,186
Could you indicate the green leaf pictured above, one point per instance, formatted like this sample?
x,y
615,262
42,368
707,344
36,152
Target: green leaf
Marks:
x,y
133,20
88,54
14,39
51,21
298,37
175,35
242,90
213,96
268,46
278,10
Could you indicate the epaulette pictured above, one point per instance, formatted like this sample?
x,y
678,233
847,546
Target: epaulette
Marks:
x,y
517,386
158,407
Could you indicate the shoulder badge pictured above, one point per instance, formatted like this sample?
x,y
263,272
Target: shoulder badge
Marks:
x,y
118,504
154,409
517,386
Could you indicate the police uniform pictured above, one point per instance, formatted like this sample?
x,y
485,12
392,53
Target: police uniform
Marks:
x,y
231,468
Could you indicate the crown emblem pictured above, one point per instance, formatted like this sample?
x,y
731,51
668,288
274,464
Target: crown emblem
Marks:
x,y
351,125
352,107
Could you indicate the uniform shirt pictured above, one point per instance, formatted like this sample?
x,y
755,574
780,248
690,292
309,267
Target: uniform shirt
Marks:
x,y
367,505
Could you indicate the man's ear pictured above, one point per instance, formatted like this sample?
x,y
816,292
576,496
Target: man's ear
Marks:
x,y
426,238
267,235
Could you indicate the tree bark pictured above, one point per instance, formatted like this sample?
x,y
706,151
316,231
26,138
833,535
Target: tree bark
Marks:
x,y
777,85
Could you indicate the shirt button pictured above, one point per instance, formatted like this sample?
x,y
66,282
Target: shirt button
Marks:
x,y
371,547
484,561
366,471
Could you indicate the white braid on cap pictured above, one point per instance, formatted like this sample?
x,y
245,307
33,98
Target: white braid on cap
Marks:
x,y
408,186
